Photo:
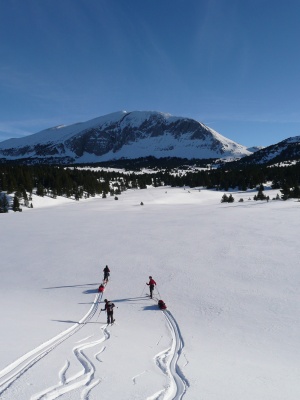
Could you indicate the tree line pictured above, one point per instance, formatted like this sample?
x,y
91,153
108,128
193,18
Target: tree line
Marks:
x,y
76,182
53,181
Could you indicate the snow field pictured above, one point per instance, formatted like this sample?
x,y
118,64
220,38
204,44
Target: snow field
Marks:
x,y
227,272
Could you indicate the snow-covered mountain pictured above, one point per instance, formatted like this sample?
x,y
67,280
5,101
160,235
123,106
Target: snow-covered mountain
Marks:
x,y
253,149
286,150
123,135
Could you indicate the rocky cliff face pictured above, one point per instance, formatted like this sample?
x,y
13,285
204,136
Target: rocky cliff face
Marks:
x,y
123,135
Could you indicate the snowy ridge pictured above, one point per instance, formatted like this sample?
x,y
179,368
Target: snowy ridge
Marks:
x,y
286,150
60,133
124,135
294,139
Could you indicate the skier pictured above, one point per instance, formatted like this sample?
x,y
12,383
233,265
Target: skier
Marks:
x,y
106,271
151,285
109,308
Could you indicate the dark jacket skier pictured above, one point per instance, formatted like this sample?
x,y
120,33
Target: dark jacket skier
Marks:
x,y
106,271
151,285
109,308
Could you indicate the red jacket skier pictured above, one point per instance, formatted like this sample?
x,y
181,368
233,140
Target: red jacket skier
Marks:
x,y
151,285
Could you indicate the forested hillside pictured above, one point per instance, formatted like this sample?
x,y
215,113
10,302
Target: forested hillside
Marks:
x,y
75,182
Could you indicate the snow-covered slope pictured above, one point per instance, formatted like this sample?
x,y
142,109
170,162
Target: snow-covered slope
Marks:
x,y
286,150
229,274
124,135
253,149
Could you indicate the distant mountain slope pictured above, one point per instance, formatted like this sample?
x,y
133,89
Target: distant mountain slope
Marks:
x,y
123,135
286,150
253,149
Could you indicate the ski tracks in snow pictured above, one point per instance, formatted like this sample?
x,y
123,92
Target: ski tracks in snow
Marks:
x,y
84,380
167,361
15,370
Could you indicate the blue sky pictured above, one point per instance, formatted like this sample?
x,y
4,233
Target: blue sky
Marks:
x,y
231,64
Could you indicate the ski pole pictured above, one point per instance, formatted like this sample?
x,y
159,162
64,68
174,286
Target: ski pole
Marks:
x,y
98,315
143,290
158,291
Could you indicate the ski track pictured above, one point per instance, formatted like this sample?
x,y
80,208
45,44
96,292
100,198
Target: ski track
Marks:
x,y
134,378
99,352
15,370
167,361
83,379
62,373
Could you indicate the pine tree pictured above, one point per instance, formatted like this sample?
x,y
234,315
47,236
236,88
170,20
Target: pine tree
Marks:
x,y
224,198
16,204
4,205
230,198
296,192
286,192
40,191
260,195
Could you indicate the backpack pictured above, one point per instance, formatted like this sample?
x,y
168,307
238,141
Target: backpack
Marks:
x,y
109,306
161,305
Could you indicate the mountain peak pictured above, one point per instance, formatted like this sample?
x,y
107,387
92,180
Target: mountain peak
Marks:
x,y
124,134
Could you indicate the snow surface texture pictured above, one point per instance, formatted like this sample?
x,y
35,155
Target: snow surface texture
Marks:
x,y
228,273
